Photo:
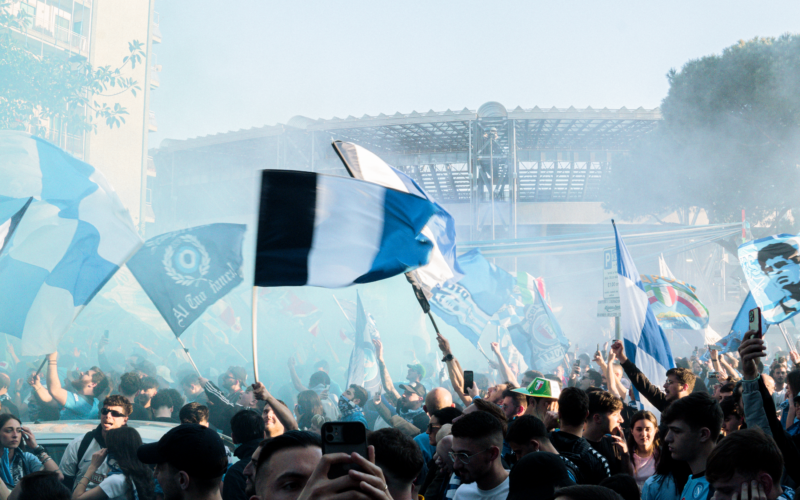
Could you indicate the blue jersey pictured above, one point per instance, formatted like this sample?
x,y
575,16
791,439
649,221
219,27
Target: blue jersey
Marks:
x,y
697,488
77,408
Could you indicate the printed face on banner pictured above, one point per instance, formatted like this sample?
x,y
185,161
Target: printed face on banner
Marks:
x,y
772,268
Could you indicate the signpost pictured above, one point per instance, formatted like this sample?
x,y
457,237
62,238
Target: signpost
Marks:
x,y
609,307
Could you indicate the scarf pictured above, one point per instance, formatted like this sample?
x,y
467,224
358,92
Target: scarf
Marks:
x,y
408,415
347,407
5,470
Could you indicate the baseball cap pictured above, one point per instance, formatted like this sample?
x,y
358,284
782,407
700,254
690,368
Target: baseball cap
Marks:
x,y
417,367
541,388
192,448
414,387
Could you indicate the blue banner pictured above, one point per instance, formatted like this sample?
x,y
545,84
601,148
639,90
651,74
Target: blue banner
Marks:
x,y
469,304
185,272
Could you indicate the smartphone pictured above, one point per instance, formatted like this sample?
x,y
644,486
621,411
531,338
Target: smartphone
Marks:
x,y
343,437
468,380
577,366
755,321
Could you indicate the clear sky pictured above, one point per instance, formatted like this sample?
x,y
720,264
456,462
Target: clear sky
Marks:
x,y
236,65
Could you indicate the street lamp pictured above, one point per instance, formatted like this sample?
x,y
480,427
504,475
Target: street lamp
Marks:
x,y
491,134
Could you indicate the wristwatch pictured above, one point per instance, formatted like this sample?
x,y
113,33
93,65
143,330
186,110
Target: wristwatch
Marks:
x,y
447,357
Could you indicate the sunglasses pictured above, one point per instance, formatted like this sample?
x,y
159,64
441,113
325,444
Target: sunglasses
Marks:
x,y
114,413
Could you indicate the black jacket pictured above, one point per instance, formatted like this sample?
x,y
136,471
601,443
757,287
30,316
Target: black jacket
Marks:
x,y
233,488
593,466
650,392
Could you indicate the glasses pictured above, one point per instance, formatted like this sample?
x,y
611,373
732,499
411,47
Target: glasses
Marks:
x,y
114,413
463,457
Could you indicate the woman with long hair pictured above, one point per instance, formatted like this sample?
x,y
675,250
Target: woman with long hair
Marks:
x,y
128,479
643,445
308,405
21,454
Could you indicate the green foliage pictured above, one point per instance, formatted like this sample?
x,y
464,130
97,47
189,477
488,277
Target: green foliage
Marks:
x,y
63,90
730,140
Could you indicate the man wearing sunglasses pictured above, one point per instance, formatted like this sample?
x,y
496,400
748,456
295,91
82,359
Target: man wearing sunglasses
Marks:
x,y
477,443
78,454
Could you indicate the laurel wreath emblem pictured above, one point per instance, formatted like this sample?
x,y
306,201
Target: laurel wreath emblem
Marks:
x,y
183,279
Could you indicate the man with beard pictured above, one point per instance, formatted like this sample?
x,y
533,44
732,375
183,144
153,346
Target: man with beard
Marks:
x,y
81,404
234,381
409,404
477,443
147,389
193,389
778,374
78,454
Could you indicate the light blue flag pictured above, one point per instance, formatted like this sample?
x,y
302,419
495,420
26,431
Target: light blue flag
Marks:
x,y
645,342
71,239
363,368
740,326
471,304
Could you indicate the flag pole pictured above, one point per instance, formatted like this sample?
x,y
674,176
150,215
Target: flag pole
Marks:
x,y
186,350
343,313
254,318
786,337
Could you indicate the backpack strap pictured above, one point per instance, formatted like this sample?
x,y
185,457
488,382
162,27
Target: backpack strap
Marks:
x,y
87,440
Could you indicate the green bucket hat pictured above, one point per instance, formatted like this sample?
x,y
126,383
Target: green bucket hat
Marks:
x,y
541,388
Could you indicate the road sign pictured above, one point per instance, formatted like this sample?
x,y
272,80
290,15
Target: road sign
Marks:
x,y
610,276
608,308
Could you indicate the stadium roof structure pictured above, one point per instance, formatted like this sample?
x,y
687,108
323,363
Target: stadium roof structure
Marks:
x,y
554,154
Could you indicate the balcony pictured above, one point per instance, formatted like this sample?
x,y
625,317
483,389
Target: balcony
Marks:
x,y
152,126
71,143
51,27
151,167
155,79
156,33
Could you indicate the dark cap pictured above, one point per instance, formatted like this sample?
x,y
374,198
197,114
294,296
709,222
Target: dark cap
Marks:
x,y
192,448
414,387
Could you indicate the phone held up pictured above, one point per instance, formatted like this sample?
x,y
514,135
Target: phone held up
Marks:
x,y
755,322
343,437
468,380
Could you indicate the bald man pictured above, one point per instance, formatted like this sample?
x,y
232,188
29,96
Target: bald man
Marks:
x,y
437,399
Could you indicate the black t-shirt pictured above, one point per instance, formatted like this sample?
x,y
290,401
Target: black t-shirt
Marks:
x,y
140,413
593,466
611,453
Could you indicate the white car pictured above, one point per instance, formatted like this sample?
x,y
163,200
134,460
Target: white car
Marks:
x,y
56,435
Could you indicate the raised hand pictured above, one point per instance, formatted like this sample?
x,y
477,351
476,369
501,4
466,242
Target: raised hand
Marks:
x,y
495,347
619,351
444,344
378,348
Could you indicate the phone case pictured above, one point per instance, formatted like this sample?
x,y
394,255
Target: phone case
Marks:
x,y
343,437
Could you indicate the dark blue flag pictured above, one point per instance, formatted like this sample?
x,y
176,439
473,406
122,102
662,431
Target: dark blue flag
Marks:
x,y
185,272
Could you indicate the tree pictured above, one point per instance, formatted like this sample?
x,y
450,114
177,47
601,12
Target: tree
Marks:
x,y
37,92
729,140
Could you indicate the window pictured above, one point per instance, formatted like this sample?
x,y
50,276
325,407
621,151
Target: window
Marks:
x,y
28,9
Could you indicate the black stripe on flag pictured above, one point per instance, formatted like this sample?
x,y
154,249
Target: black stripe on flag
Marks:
x,y
7,228
285,227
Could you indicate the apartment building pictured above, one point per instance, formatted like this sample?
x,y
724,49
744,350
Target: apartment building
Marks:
x,y
99,31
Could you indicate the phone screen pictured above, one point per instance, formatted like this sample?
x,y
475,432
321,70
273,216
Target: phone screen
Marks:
x,y
343,437
468,380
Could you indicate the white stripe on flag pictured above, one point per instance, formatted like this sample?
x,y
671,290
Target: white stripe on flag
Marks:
x,y
655,373
633,309
52,312
19,166
344,256
42,237
375,170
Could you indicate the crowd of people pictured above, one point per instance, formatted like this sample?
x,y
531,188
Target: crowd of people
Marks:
x,y
722,429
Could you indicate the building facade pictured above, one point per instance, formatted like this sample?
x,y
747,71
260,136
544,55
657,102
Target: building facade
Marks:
x,y
99,32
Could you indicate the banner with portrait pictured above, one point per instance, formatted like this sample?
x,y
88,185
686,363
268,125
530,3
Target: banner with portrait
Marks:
x,y
772,268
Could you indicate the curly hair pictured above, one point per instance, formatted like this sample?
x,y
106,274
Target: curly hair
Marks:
x,y
121,401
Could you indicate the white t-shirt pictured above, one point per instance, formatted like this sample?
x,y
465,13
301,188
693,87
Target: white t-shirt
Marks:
x,y
115,486
73,465
472,492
